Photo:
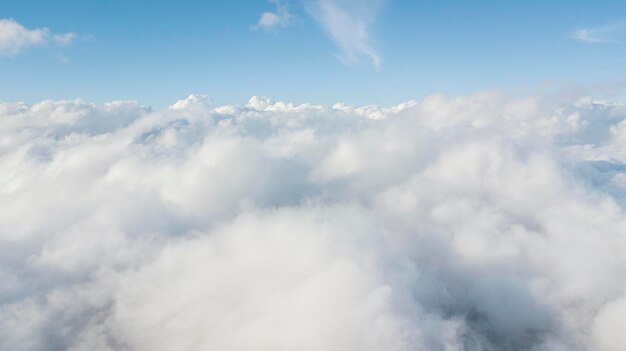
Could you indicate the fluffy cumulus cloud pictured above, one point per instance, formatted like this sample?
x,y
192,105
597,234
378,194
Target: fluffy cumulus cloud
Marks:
x,y
14,38
484,222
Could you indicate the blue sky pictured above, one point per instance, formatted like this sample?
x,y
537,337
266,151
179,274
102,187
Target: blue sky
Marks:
x,y
159,51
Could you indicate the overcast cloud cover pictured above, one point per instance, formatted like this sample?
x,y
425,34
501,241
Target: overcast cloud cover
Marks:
x,y
483,222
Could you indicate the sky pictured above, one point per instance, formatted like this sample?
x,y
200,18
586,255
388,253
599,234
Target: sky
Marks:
x,y
380,52
312,175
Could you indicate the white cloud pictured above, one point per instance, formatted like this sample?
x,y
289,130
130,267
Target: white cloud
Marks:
x,y
270,20
14,38
348,23
481,222
605,34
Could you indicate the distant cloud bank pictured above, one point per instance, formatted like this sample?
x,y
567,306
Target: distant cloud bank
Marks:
x,y
481,222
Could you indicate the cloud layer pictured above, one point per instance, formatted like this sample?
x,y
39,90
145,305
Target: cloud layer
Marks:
x,y
14,38
483,222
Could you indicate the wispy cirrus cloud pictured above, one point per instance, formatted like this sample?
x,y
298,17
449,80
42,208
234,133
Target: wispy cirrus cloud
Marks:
x,y
348,23
605,34
15,38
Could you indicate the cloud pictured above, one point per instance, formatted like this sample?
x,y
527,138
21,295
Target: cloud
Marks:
x,y
482,222
271,20
14,38
605,34
348,23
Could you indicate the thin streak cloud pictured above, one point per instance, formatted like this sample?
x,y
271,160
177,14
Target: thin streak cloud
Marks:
x,y
349,23
605,34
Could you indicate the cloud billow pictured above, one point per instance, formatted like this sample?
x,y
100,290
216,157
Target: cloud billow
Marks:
x,y
482,222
